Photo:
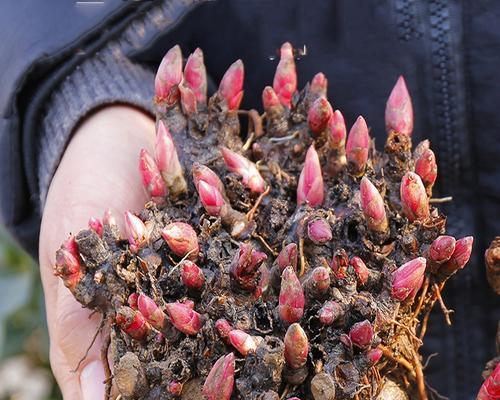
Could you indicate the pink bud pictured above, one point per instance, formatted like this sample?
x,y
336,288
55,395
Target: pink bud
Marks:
x,y
151,176
220,381
96,225
490,389
319,231
205,174
374,355
310,187
320,278
337,130
245,168
211,198
426,167
421,148
223,328
285,79
407,279
414,198
442,248
132,322
358,143
319,114
195,76
270,98
175,388
242,342
231,85
287,257
319,84
182,239
188,100
67,264
361,334
71,245
136,232
460,256
291,298
168,161
150,310
340,262
184,318
244,266
109,219
192,276
399,110
188,303
169,76
361,270
372,205
133,300
296,346
330,312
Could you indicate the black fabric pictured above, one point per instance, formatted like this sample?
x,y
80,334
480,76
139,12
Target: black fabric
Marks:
x,y
449,53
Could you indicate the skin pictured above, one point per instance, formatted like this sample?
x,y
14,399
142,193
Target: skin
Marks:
x,y
99,170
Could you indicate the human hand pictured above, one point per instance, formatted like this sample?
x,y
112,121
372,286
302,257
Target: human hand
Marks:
x,y
99,170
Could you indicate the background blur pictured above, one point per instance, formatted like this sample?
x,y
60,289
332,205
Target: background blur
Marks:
x,y
24,345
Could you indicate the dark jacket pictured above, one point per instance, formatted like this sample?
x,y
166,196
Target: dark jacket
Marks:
x,y
448,51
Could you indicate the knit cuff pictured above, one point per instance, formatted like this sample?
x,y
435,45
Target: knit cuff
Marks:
x,y
109,77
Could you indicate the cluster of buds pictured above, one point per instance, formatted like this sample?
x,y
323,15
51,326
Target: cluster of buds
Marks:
x,y
460,257
407,279
184,318
133,323
358,144
68,265
310,189
291,297
242,166
245,266
399,109
182,240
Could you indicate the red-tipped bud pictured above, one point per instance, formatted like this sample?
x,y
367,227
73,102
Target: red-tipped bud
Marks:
x,y
244,266
192,276
223,328
169,76
319,114
175,388
231,85
358,143
414,198
270,98
185,319
460,256
372,205
136,231
319,84
374,355
442,249
242,341
426,167
132,301
109,219
220,380
195,76
340,262
291,298
96,225
245,168
320,278
319,231
362,273
490,389
182,239
205,174
285,79
361,334
188,100
330,312
151,176
296,346
421,148
132,322
188,303
168,161
287,257
71,245
150,310
337,131
310,187
211,198
67,264
399,110
407,279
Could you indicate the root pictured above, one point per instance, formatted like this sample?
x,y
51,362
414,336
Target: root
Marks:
x,y
425,321
400,360
94,338
104,359
285,391
251,213
265,244
301,256
422,393
425,287
445,310
439,200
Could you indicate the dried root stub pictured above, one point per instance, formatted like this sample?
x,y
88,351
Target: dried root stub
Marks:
x,y
294,261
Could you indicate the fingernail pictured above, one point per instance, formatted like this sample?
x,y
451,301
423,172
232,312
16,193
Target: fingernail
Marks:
x,y
92,381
